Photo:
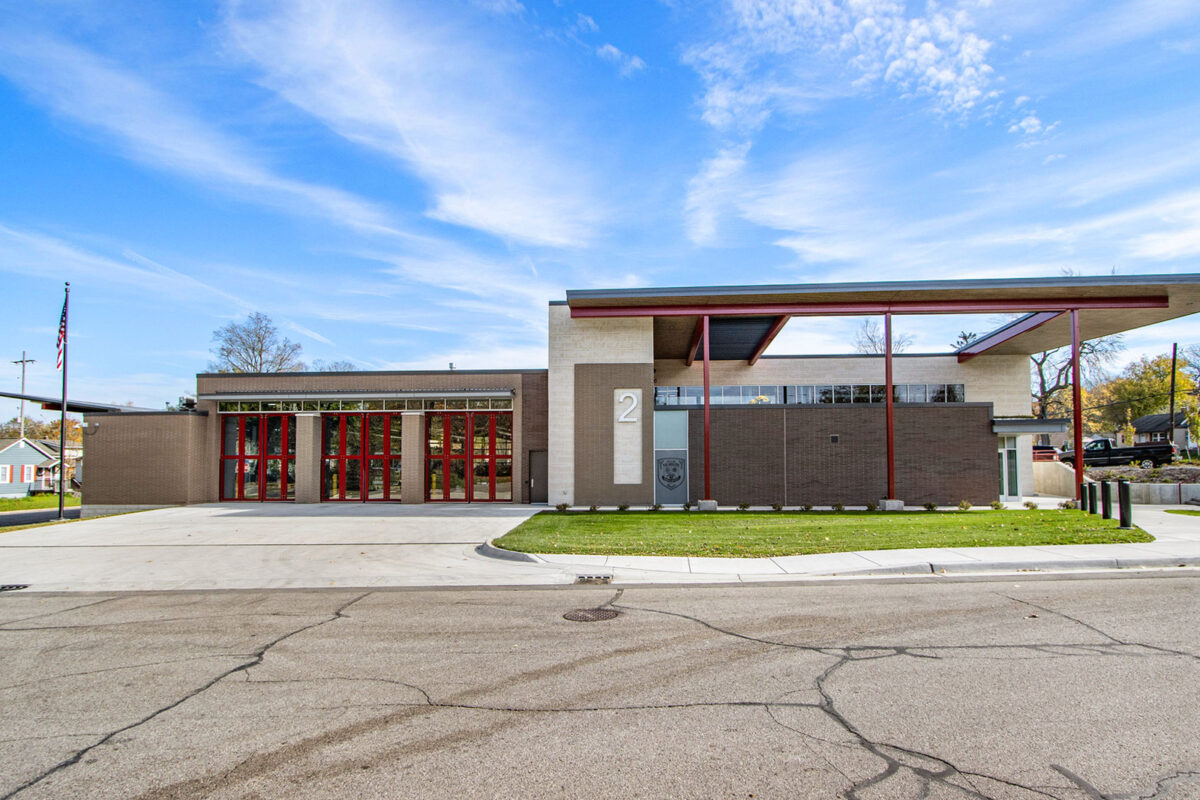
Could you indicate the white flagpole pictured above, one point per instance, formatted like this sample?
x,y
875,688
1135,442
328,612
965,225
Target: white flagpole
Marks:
x,y
62,421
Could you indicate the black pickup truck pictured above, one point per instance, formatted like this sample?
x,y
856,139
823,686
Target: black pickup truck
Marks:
x,y
1102,453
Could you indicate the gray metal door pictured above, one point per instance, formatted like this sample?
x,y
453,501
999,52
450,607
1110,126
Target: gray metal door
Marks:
x,y
538,491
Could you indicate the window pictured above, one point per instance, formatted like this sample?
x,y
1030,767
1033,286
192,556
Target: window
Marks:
x,y
5,473
27,471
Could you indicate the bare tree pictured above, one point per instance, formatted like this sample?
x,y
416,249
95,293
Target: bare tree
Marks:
x,y
869,339
965,338
254,346
1051,373
333,366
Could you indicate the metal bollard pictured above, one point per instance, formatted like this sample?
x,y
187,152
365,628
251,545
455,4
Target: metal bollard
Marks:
x,y
1105,500
1091,498
1125,507
1083,497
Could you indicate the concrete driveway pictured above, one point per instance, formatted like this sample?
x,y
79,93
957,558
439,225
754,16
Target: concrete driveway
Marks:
x,y
264,546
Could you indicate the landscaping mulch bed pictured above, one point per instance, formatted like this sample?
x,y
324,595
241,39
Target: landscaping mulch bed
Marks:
x,y
1175,473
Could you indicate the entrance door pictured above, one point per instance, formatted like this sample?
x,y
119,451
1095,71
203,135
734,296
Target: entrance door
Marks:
x,y
258,456
1010,486
538,473
469,456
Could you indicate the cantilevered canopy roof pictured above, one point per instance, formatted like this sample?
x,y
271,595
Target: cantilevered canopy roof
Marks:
x,y
1108,304
76,406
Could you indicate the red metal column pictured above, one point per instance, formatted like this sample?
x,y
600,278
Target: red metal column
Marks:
x,y
891,425
1077,403
707,419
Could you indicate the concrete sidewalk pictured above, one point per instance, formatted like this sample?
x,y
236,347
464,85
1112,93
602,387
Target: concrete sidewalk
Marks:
x,y
1176,543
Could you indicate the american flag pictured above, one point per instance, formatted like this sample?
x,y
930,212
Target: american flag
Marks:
x,y
62,334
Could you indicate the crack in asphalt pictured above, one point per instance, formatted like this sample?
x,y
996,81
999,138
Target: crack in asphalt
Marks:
x,y
60,611
880,749
255,659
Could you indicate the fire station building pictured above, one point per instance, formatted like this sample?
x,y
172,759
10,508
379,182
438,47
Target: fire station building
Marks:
x,y
650,396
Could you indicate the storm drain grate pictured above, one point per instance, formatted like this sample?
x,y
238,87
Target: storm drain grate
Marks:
x,y
591,614
12,587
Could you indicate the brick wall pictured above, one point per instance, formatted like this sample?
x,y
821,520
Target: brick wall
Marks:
x,y
146,459
760,456
594,385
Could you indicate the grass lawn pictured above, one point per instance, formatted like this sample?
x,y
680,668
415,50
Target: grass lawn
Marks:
x,y
35,502
1185,511
757,534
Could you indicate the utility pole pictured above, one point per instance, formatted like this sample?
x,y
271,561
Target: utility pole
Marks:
x,y
23,362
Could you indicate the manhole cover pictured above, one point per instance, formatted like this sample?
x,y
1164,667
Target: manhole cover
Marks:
x,y
12,587
590,614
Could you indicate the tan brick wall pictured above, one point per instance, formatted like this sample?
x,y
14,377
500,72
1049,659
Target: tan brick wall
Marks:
x,y
141,459
583,341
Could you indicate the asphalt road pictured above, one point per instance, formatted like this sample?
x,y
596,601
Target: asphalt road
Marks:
x,y
1080,688
8,518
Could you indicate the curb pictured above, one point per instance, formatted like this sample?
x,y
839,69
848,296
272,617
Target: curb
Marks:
x,y
489,550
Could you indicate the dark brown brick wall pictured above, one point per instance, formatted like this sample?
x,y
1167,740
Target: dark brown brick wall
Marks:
x,y
594,385
145,459
943,454
535,415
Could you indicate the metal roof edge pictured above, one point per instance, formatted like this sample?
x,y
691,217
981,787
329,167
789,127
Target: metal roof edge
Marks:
x,y
874,286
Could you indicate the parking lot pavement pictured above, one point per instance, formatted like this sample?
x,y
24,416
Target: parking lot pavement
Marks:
x,y
1016,689
271,546
35,516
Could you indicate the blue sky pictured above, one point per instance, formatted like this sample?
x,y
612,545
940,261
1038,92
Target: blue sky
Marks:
x,y
406,184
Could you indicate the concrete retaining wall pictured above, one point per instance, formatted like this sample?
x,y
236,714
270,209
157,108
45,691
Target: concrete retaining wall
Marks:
x,y
1054,478
1163,494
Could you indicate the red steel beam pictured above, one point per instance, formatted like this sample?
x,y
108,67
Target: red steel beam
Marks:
x,y
707,419
891,424
983,345
847,309
1077,406
695,345
766,340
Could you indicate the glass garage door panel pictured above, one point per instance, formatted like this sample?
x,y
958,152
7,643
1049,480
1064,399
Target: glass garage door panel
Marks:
x,y
361,453
258,454
469,456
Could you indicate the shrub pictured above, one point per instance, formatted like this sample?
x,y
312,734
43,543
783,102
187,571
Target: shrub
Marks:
x,y
997,505
1032,506
872,506
964,505
593,508
777,506
1067,504
623,507
807,506
656,507
743,506
838,507
562,507
930,506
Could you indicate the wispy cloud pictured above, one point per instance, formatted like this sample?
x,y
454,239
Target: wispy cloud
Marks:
x,y
448,106
153,127
627,64
776,49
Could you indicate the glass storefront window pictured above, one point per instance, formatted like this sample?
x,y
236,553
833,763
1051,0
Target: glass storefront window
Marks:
x,y
861,394
841,394
502,403
956,393
436,434
226,407
373,405
504,434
